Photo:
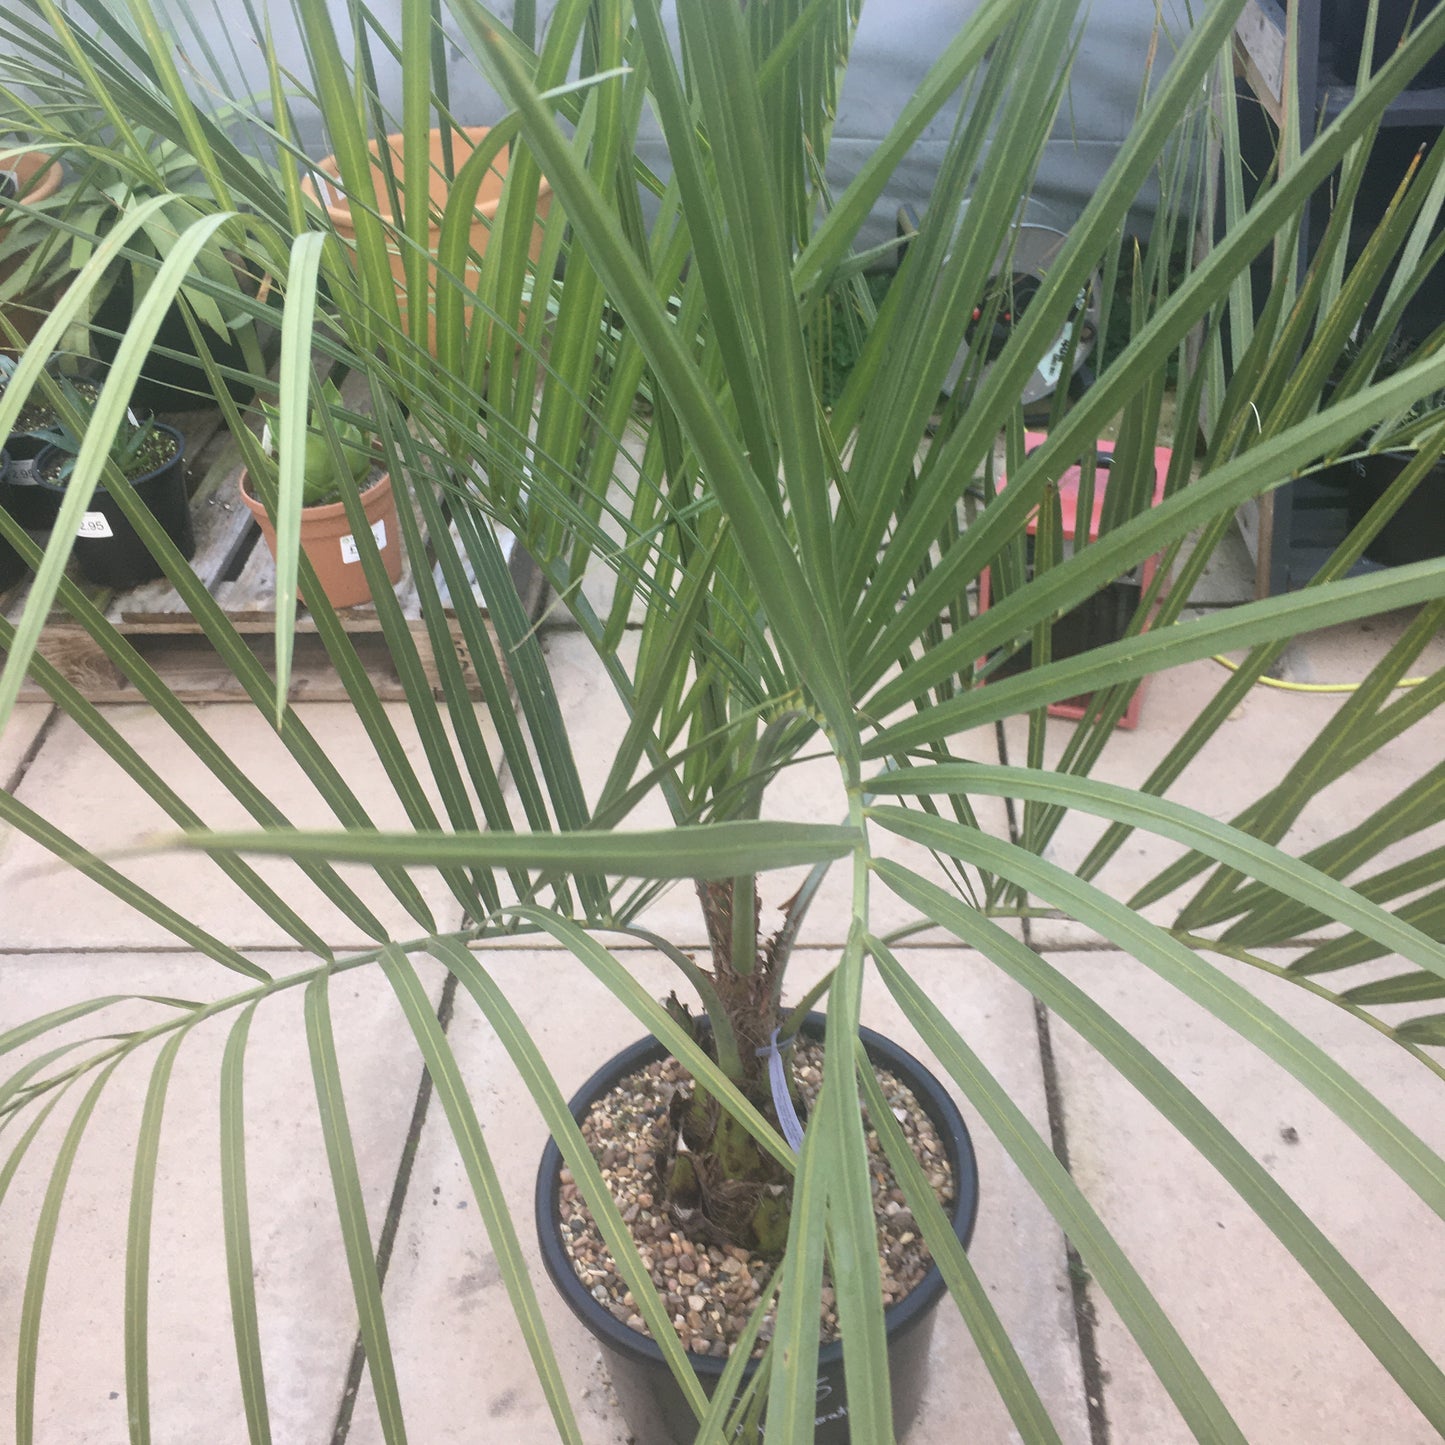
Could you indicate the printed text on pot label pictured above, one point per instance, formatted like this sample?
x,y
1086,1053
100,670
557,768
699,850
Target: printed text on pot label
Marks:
x,y
349,551
94,524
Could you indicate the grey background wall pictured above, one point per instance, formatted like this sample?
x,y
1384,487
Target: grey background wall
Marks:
x,y
896,42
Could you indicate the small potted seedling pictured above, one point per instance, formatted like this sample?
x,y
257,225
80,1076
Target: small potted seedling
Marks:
x,y
34,507
151,457
326,535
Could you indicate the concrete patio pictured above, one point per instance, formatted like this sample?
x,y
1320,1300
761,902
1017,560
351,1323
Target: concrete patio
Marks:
x,y
1285,1364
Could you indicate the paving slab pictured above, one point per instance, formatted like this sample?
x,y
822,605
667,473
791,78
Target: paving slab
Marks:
x,y
16,742
599,583
20,732
307,1319
77,787
464,1373
1284,1362
1261,739
810,791
1228,576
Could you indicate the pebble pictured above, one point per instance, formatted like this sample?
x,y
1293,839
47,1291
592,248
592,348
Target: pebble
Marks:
x,y
709,1291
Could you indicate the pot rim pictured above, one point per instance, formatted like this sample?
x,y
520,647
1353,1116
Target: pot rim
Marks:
x,y
324,513
899,1318
101,489
42,164
341,214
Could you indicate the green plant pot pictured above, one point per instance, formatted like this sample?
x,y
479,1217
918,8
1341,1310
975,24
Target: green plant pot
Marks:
x,y
108,549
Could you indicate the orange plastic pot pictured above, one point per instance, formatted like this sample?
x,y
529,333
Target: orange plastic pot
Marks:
x,y
489,196
38,177
330,545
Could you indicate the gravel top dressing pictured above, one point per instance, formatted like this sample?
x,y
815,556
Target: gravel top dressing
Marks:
x,y
710,1290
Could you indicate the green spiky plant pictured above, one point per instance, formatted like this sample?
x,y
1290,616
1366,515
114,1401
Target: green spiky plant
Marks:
x,y
326,469
802,577
135,448
48,249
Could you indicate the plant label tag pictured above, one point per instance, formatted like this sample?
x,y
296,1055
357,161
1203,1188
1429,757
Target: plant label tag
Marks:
x,y
94,524
1051,368
22,473
349,550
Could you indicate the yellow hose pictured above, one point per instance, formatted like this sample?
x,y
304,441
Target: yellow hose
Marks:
x,y
1310,686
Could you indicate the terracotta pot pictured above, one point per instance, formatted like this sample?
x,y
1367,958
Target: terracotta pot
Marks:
x,y
327,540
39,177
488,198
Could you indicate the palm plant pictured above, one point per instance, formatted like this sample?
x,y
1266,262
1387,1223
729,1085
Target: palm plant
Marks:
x,y
799,579
114,173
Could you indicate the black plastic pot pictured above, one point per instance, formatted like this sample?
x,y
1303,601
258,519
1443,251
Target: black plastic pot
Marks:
x,y
1416,532
1392,18
172,377
655,1408
33,506
108,549
12,567
1097,620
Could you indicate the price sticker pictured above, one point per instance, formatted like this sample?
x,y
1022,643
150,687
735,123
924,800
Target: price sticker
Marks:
x,y
349,550
94,524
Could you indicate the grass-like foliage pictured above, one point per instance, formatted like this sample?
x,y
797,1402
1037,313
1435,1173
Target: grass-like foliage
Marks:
x,y
631,388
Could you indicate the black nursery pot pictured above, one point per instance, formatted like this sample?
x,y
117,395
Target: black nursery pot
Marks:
x,y
33,506
1416,532
1392,19
107,548
172,377
12,567
655,1408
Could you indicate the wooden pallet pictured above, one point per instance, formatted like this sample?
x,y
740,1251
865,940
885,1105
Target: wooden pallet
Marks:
x,y
236,567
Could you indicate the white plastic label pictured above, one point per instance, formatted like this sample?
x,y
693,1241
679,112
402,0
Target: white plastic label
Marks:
x,y
1052,366
349,550
94,524
22,473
